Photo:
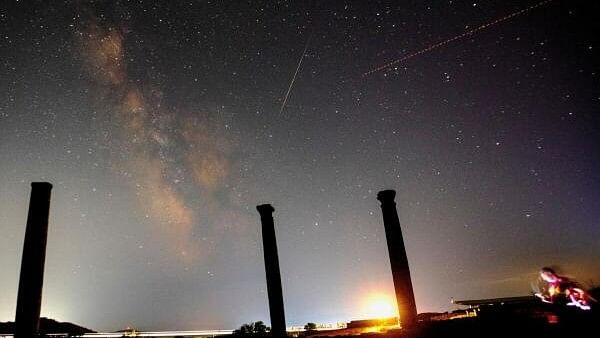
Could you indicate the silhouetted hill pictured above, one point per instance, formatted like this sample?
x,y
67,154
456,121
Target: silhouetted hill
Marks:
x,y
49,326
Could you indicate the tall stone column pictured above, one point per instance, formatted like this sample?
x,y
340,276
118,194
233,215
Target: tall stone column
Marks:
x,y
399,262
274,290
29,299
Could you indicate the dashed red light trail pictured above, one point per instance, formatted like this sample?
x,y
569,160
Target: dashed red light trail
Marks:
x,y
457,37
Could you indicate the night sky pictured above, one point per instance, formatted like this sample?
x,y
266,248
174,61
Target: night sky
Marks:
x,y
159,125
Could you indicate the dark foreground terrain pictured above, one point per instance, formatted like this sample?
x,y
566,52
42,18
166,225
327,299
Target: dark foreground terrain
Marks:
x,y
49,326
563,322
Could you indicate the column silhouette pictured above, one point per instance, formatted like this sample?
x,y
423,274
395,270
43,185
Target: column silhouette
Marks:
x,y
274,290
29,299
398,260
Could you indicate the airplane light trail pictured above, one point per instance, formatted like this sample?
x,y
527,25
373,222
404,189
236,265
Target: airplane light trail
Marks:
x,y
457,37
294,77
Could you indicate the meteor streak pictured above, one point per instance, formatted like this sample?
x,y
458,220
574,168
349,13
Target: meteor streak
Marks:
x,y
457,37
294,77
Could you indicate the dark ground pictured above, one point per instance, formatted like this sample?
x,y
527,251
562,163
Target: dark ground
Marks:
x,y
571,322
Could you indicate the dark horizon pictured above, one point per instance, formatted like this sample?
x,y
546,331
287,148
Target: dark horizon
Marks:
x,y
160,126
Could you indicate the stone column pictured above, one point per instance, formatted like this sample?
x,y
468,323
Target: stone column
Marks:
x,y
399,262
29,299
274,290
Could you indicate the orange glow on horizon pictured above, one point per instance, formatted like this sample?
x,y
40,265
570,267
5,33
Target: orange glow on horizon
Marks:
x,y
379,306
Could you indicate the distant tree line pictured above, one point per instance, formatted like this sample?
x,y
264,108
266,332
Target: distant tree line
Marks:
x,y
310,326
257,329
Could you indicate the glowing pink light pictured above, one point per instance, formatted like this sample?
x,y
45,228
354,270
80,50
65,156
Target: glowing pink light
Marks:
x,y
560,287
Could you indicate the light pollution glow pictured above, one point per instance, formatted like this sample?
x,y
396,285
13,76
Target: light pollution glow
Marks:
x,y
379,305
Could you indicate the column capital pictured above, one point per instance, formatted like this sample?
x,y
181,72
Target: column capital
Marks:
x,y
41,185
265,209
386,196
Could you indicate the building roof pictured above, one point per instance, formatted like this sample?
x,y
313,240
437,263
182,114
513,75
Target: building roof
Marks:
x,y
495,301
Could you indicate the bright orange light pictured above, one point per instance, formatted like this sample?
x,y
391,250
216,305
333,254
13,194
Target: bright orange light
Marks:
x,y
380,306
